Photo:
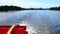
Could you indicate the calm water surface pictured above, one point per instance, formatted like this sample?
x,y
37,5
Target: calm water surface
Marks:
x,y
39,21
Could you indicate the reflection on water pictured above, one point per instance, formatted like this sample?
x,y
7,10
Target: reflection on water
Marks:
x,y
37,21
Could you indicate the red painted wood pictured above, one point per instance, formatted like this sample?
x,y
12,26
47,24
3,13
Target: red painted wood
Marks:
x,y
16,30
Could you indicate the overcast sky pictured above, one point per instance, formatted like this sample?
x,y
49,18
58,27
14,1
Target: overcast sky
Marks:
x,y
31,3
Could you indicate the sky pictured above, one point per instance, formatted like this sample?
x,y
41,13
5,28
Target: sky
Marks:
x,y
31,3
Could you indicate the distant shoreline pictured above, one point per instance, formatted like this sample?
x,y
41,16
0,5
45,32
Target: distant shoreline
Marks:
x,y
16,8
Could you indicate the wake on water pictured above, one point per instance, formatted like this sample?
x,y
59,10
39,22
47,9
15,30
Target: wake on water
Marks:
x,y
43,30
37,22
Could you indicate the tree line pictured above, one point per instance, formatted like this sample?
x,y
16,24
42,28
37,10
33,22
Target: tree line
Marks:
x,y
55,8
9,8
15,8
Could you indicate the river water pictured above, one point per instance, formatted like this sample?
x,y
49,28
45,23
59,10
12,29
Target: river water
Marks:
x,y
37,21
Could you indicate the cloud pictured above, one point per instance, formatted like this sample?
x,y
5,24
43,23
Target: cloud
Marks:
x,y
21,3
27,4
